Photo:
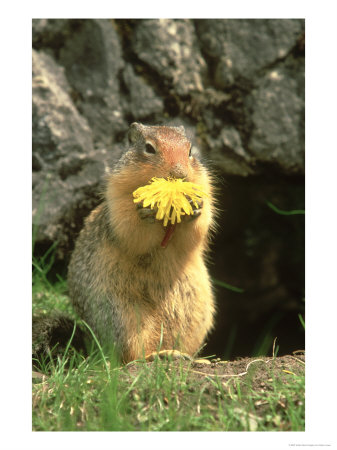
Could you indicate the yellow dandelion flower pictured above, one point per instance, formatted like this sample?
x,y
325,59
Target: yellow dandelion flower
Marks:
x,y
173,198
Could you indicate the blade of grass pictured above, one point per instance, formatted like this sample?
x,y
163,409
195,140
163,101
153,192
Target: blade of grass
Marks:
x,y
100,350
292,212
228,286
302,321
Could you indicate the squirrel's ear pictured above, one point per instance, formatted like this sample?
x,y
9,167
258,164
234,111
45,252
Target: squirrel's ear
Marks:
x,y
135,132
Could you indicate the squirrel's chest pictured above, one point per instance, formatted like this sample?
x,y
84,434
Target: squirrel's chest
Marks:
x,y
158,296
159,300
157,314
156,305
154,296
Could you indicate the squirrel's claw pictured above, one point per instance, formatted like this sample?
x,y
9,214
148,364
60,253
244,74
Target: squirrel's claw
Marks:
x,y
168,354
196,213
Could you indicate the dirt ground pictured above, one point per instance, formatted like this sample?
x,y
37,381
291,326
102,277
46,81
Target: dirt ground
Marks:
x,y
258,369
254,374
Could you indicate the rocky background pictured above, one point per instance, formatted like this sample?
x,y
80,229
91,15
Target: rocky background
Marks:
x,y
238,88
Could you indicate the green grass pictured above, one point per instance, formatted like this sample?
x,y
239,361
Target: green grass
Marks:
x,y
162,396
96,393
228,286
48,296
293,212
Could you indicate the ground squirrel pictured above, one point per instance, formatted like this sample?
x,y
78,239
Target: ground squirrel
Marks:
x,y
131,291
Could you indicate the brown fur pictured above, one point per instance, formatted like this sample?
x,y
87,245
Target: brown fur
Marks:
x,y
130,290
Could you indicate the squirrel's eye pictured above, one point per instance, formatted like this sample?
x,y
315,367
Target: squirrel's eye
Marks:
x,y
149,148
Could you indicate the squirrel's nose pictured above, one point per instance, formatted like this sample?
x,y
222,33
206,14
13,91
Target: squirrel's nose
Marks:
x,y
178,171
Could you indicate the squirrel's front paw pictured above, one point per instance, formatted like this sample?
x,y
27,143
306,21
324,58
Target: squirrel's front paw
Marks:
x,y
147,214
196,211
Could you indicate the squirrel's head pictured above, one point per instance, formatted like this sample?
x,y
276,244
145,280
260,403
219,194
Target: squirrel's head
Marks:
x,y
162,151
156,152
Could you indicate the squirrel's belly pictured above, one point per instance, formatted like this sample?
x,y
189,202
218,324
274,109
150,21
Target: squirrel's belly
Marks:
x,y
179,321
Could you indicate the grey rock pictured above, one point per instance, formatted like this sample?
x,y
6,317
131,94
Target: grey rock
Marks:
x,y
227,153
58,128
278,122
67,170
93,61
50,32
58,201
169,47
65,194
270,127
142,101
241,48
